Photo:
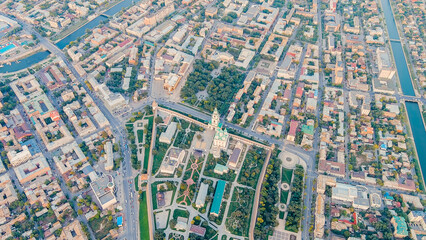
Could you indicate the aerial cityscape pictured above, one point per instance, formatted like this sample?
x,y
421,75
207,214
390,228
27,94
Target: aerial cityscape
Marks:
x,y
212,119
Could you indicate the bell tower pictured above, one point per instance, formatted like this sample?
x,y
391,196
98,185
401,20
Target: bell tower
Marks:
x,y
214,122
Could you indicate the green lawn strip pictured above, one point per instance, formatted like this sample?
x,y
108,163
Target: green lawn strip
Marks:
x,y
284,197
286,175
146,159
140,135
148,143
159,151
137,183
143,218
154,194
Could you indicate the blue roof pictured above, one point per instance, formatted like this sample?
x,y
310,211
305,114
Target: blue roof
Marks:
x,y
218,195
120,221
32,146
149,43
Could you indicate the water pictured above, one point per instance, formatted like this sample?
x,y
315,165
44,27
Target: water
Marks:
x,y
402,68
413,110
418,130
40,56
92,24
24,63
390,20
80,32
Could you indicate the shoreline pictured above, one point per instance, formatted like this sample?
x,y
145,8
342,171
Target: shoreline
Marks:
x,y
417,159
400,42
416,91
86,22
24,55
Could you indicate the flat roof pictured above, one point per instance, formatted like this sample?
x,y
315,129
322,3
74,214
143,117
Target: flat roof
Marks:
x,y
218,195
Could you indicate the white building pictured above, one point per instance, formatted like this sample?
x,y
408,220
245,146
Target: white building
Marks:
x,y
18,158
167,136
202,194
109,156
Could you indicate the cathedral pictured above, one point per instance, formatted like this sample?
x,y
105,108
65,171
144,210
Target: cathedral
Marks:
x,y
221,136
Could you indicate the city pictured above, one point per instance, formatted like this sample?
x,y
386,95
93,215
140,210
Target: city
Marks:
x,y
212,119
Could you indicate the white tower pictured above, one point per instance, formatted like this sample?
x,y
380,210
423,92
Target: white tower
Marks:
x,y
214,122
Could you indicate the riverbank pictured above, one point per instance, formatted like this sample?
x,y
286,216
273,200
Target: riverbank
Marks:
x,y
79,25
118,6
397,51
25,63
416,127
25,54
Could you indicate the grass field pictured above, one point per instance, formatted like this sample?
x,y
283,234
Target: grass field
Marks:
x,y
146,159
180,213
140,135
284,197
143,218
286,175
146,155
136,183
238,219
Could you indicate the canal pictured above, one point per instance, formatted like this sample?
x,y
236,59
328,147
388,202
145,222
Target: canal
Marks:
x,y
95,22
413,110
25,62
40,56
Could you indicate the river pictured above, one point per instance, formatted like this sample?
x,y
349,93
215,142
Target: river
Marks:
x,y
25,62
413,110
40,56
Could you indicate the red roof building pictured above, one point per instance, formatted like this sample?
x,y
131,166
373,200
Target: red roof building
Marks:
x,y
198,230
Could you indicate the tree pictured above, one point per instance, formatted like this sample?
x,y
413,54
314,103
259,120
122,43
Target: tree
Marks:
x,y
158,120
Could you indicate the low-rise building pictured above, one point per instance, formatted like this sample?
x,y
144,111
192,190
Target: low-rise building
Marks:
x,y
202,194
103,188
32,169
217,200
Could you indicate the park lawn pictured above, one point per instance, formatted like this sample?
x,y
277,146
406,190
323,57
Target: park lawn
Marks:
x,y
241,202
146,158
252,166
143,218
148,142
159,156
286,175
284,197
211,164
154,195
140,135
136,183
181,197
180,213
